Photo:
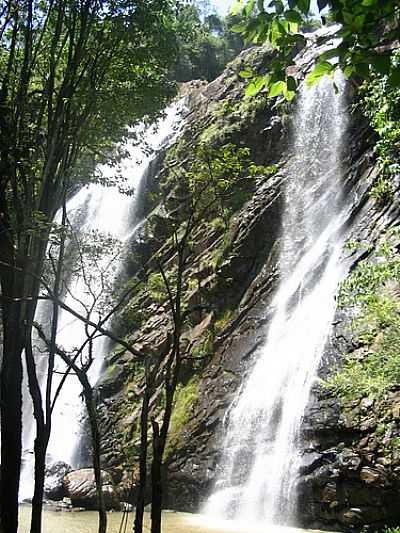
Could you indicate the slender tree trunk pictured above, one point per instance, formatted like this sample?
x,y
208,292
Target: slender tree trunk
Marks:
x,y
140,501
96,451
156,479
43,418
40,448
42,436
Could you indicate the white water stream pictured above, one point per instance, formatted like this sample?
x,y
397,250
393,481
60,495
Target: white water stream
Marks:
x,y
111,214
257,476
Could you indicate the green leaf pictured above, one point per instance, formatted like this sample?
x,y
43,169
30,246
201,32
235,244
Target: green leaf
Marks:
x,y
293,16
239,27
260,5
329,54
359,22
249,7
348,17
289,95
321,69
279,7
237,7
348,71
247,73
256,85
368,3
277,88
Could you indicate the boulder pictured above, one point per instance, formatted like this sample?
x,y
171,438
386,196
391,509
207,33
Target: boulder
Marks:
x,y
81,489
54,488
373,476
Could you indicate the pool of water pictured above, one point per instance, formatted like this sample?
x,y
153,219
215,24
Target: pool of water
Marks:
x,y
86,522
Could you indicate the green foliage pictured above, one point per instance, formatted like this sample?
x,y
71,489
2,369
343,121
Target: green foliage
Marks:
x,y
365,25
74,77
376,368
361,285
203,349
382,191
220,179
372,374
156,287
381,105
185,397
223,320
206,44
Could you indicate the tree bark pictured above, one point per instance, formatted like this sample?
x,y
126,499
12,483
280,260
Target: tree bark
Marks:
x,y
96,451
140,501
11,418
156,479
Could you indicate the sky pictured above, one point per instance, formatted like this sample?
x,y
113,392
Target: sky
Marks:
x,y
223,6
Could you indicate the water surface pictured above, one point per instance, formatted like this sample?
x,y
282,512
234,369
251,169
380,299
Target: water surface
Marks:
x,y
86,522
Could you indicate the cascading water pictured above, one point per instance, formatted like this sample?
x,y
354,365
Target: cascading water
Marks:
x,y
112,214
257,476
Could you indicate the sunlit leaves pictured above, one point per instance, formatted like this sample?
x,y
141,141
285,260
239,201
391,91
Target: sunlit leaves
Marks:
x,y
272,86
256,85
366,31
237,7
320,70
247,73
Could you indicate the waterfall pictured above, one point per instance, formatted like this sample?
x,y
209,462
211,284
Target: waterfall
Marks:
x,y
115,217
256,477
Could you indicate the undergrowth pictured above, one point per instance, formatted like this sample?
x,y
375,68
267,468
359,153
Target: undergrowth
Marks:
x,y
373,292
381,105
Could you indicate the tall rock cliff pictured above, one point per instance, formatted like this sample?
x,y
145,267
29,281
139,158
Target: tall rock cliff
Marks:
x,y
350,471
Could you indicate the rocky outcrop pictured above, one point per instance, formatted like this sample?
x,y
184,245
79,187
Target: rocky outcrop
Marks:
x,y
352,463
80,487
225,268
54,488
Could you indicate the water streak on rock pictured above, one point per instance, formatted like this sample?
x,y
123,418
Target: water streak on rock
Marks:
x,y
261,454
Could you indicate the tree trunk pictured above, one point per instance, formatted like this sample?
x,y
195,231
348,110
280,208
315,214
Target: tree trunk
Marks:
x,y
11,418
156,480
11,393
96,450
140,501
41,443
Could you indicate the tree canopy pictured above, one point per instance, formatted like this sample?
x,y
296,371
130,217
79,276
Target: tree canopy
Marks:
x,y
74,76
206,43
